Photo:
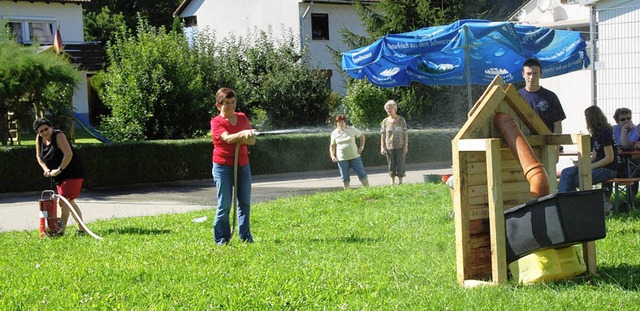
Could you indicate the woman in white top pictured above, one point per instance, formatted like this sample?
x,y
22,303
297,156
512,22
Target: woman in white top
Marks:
x,y
346,153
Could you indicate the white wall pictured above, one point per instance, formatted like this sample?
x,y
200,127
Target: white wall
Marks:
x,y
340,16
237,17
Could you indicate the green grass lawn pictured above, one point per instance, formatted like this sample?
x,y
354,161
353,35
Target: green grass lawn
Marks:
x,y
379,248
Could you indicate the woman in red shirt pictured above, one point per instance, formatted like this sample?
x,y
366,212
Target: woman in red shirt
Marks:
x,y
228,129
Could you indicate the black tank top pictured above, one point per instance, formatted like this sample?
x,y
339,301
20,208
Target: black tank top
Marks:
x,y
52,156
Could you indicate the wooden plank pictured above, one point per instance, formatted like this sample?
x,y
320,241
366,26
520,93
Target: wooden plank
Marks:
x,y
549,159
482,117
497,81
510,199
584,168
516,187
496,213
461,218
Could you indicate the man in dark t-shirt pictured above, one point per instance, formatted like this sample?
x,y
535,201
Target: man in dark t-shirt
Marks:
x,y
544,102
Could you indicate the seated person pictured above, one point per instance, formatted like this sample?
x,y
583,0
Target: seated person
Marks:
x,y
626,137
625,132
603,164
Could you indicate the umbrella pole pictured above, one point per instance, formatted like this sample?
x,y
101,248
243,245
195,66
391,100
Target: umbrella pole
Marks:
x,y
467,65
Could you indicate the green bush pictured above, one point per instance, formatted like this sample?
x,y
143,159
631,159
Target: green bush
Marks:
x,y
152,88
123,164
364,104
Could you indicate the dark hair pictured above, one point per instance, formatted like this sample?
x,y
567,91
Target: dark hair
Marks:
x,y
40,122
341,117
224,93
532,62
595,119
621,111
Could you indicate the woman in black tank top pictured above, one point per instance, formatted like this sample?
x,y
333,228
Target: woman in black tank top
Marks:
x,y
57,160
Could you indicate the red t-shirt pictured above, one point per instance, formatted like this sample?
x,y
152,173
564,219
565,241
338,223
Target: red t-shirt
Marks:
x,y
222,151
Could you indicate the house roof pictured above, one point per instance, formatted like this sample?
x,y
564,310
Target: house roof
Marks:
x,y
55,1
186,3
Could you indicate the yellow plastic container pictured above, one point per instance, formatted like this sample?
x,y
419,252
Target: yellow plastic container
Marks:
x,y
549,265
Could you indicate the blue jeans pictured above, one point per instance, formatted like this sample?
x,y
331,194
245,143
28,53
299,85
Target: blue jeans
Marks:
x,y
569,178
356,165
223,179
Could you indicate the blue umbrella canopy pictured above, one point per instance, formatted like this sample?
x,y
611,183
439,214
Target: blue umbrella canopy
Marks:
x,y
465,52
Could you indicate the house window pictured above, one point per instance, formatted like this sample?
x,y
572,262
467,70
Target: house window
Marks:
x,y
320,26
31,31
190,21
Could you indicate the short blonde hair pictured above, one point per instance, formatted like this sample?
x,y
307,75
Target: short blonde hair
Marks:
x,y
391,103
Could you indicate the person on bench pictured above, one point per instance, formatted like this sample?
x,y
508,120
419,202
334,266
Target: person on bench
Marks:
x,y
603,164
624,131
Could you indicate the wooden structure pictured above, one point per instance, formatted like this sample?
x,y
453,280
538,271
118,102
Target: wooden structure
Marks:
x,y
489,179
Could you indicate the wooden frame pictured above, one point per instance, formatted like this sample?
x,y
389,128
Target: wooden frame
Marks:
x,y
489,179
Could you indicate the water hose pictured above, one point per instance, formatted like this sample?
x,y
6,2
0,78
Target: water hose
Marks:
x,y
534,171
234,205
77,218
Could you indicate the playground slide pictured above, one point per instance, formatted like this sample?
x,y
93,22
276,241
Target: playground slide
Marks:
x,y
84,123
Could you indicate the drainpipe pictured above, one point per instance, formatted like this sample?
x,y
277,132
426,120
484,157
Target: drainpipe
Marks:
x,y
534,171
302,25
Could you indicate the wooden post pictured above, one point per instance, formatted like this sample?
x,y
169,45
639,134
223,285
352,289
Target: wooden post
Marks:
x,y
496,212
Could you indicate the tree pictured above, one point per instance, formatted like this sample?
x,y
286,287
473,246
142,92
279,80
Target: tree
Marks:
x,y
102,25
152,87
158,13
273,77
160,87
33,82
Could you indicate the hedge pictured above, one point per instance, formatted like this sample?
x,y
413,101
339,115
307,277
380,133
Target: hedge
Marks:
x,y
122,164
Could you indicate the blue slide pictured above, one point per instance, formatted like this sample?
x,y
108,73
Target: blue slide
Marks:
x,y
84,123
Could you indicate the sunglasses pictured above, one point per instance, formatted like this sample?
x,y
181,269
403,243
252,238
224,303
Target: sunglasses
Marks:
x,y
624,119
43,130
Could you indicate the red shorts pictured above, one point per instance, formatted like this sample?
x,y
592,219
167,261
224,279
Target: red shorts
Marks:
x,y
70,188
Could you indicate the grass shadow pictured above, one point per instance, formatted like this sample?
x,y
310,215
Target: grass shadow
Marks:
x,y
346,240
138,231
620,275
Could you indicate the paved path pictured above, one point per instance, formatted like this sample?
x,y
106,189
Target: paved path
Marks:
x,y
19,211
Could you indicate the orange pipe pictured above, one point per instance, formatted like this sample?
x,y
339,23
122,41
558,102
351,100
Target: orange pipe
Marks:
x,y
534,171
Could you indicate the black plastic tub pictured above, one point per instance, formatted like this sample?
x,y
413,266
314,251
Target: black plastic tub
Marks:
x,y
555,220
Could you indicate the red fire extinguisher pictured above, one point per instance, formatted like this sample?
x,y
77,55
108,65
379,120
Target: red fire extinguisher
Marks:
x,y
48,213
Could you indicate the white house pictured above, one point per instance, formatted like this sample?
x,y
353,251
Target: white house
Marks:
x,y
33,20
316,23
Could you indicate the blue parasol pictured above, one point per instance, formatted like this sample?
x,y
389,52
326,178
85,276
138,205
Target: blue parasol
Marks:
x,y
465,52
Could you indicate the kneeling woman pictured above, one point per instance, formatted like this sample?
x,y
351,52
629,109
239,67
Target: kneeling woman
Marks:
x,y
603,166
